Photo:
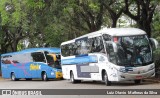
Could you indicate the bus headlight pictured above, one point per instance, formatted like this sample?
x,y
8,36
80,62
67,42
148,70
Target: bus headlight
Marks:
x,y
122,70
52,73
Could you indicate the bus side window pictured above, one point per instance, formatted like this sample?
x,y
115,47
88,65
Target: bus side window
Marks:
x,y
10,59
63,50
70,49
82,46
6,59
38,57
74,49
66,50
97,45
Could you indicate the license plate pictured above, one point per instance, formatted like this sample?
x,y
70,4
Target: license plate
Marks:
x,y
138,77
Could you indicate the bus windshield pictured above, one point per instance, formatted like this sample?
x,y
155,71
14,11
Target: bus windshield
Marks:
x,y
133,51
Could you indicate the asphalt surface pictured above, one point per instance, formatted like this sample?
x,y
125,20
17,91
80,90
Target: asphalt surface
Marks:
x,y
65,84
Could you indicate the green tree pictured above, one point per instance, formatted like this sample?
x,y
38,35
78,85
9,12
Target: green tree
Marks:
x,y
115,9
13,14
142,12
156,24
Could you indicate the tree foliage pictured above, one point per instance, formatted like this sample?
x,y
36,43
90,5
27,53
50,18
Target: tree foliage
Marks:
x,y
47,23
142,12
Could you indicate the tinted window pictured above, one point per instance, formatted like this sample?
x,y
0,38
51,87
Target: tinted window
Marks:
x,y
48,57
66,50
97,45
38,57
63,50
134,50
83,46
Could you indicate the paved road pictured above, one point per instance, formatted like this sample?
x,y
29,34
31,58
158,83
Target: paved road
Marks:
x,y
65,84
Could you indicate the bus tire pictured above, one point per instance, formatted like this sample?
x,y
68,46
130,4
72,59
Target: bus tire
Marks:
x,y
78,81
44,76
13,77
105,79
72,80
137,81
61,78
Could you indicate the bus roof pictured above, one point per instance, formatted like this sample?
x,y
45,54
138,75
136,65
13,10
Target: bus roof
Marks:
x,y
53,50
122,31
117,32
113,32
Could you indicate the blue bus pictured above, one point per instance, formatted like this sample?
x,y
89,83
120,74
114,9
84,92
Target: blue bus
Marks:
x,y
32,63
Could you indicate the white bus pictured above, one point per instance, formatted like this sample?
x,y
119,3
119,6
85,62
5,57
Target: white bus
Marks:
x,y
110,54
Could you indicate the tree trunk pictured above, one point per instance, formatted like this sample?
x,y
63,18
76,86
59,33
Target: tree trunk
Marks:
x,y
146,26
114,22
14,46
145,14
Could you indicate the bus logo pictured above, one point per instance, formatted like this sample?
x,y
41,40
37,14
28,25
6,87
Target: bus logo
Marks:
x,y
35,67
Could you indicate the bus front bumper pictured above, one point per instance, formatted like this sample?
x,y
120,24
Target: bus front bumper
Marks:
x,y
128,76
59,75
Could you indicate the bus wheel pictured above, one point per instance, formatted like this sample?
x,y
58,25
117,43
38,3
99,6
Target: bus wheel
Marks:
x,y
44,76
13,77
137,81
106,81
72,78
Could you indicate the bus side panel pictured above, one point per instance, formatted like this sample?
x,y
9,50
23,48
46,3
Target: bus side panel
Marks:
x,y
39,71
45,68
31,70
36,69
51,73
17,69
66,69
111,72
80,66
5,70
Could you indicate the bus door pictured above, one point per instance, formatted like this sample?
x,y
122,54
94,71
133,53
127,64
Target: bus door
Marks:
x,y
111,50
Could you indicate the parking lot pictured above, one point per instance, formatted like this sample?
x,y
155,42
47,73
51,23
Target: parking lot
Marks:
x,y
65,84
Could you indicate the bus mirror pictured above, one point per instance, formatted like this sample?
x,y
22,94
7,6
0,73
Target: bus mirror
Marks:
x,y
154,43
114,47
